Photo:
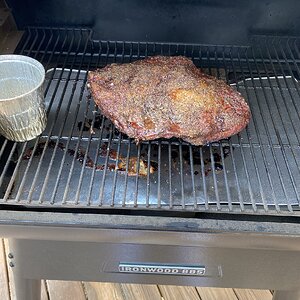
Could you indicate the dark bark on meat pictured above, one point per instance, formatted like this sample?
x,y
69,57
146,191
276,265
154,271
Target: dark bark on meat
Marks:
x,y
164,97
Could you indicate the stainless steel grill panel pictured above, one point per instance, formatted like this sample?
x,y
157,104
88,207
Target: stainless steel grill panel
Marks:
x,y
256,171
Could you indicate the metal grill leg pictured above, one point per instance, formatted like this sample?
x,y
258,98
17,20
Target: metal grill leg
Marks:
x,y
286,295
27,289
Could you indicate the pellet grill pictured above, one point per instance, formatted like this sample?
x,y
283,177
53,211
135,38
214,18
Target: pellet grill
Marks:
x,y
222,215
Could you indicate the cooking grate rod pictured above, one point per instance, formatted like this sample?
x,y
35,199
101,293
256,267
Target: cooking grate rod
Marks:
x,y
263,155
130,57
278,136
268,134
288,111
10,185
55,147
174,142
242,152
47,141
81,160
222,156
37,141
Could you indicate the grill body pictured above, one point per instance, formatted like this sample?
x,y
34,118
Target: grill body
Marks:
x,y
189,21
93,250
66,220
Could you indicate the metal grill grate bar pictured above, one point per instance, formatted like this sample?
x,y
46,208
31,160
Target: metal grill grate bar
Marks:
x,y
277,134
60,132
57,143
11,182
36,143
158,176
170,175
221,151
251,149
239,141
82,161
259,137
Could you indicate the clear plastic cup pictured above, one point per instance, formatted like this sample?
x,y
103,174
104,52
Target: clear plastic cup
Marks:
x,y
22,107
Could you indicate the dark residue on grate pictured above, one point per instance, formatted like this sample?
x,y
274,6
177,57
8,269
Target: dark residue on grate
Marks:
x,y
40,148
87,124
120,162
217,158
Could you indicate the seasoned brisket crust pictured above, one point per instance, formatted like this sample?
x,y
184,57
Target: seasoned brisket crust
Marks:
x,y
164,97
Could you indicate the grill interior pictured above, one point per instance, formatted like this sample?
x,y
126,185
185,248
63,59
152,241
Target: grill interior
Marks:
x,y
81,160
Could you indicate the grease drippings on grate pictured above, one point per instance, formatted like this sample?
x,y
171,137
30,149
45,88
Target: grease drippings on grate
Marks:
x,y
134,165
87,124
209,164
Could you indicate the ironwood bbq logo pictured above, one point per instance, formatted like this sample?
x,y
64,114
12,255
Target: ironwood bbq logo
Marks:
x,y
162,269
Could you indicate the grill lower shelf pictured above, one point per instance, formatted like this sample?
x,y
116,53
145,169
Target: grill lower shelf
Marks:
x,y
81,160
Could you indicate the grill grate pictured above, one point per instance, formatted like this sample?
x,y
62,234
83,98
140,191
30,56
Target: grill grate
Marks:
x,y
81,160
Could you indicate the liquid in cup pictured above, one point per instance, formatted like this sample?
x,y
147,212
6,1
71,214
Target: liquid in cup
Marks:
x,y
22,107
